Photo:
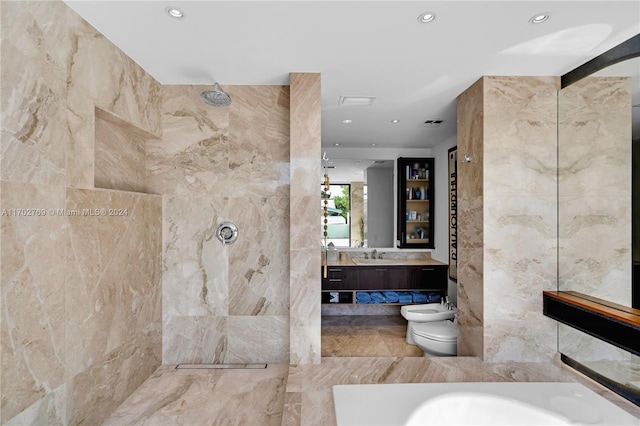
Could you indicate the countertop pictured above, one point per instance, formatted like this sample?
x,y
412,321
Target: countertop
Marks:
x,y
386,262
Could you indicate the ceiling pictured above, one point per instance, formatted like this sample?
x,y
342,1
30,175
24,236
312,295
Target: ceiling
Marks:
x,y
414,70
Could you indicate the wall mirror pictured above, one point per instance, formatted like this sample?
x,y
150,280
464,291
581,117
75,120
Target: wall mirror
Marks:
x,y
373,202
370,219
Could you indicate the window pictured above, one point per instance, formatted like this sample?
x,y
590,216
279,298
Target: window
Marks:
x,y
338,215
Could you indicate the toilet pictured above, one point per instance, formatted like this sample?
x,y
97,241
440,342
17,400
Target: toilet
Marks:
x,y
417,314
436,338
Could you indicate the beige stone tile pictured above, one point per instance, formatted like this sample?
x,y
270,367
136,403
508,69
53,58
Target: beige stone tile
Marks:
x,y
258,339
34,134
259,137
195,339
305,344
196,266
259,261
49,410
119,154
95,74
193,155
110,297
99,389
470,132
305,115
305,296
34,357
172,397
292,410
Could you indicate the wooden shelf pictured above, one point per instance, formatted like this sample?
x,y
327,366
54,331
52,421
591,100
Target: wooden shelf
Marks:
x,y
416,202
615,324
600,306
348,297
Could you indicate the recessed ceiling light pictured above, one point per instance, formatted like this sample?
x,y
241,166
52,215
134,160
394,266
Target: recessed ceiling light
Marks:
x,y
174,12
347,121
395,121
336,144
539,18
426,17
373,144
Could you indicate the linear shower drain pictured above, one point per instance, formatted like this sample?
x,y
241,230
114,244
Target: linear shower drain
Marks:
x,y
221,366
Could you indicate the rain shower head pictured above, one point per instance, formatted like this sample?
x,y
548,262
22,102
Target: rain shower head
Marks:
x,y
216,97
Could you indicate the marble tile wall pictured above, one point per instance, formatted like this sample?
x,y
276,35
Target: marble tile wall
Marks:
x,y
512,178
224,304
80,291
595,188
304,245
594,207
120,161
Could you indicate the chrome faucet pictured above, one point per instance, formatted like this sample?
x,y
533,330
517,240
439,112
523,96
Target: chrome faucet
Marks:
x,y
373,254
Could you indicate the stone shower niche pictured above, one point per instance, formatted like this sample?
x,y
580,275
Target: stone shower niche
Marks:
x,y
119,156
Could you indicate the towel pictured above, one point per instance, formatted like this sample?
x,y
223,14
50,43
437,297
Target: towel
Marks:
x,y
404,297
376,297
390,296
433,297
334,297
363,297
418,297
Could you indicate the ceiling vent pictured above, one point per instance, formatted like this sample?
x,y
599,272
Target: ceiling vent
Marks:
x,y
356,100
433,123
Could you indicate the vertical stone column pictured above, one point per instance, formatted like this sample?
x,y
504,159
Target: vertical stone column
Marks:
x,y
470,234
304,202
507,218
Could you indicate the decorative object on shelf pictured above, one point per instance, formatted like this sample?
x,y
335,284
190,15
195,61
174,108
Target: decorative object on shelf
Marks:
x,y
325,195
453,213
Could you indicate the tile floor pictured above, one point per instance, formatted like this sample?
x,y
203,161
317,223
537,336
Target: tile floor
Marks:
x,y
302,394
355,349
365,335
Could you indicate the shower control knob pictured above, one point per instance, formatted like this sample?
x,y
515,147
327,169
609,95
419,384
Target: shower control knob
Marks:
x,y
227,233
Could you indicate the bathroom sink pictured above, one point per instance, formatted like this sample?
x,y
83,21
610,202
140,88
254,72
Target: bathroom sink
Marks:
x,y
360,261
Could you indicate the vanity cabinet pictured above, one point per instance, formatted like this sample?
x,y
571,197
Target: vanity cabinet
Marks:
x,y
346,281
415,202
